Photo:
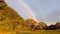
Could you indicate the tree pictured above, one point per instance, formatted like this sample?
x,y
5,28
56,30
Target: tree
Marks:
x,y
58,25
51,27
31,21
37,27
31,24
43,25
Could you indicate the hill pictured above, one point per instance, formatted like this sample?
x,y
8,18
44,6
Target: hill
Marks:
x,y
9,19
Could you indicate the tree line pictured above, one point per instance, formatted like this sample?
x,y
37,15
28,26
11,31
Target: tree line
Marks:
x,y
33,25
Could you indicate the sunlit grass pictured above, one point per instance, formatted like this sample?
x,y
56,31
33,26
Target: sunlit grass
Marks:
x,y
34,32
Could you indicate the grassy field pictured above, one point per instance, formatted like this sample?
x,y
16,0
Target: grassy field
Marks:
x,y
36,32
39,32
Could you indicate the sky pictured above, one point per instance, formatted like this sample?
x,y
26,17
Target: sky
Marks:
x,y
42,10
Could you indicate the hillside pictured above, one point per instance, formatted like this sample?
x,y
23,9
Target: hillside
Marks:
x,y
9,18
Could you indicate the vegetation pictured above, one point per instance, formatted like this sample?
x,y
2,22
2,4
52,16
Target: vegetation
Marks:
x,y
12,23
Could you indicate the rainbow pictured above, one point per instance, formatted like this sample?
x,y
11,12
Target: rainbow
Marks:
x,y
22,8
